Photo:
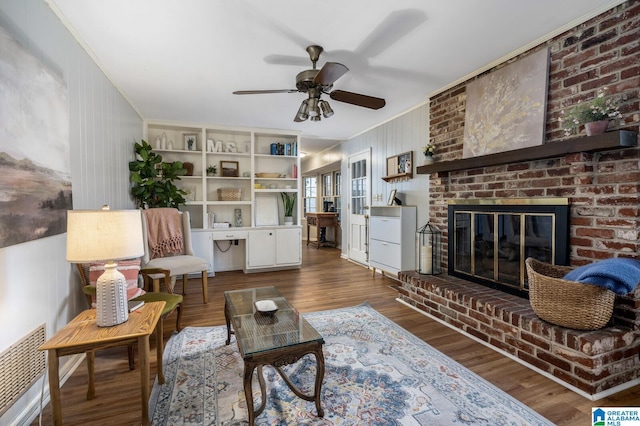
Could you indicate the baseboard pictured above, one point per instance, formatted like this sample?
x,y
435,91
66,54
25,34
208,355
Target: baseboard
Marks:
x,y
32,409
580,392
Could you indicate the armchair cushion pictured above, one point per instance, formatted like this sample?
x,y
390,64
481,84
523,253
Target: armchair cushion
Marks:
x,y
179,265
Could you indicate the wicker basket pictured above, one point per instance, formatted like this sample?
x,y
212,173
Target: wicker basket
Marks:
x,y
567,303
229,194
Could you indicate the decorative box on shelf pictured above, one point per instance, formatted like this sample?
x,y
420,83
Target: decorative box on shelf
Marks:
x,y
229,194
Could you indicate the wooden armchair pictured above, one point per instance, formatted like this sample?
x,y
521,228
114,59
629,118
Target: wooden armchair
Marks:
x,y
173,302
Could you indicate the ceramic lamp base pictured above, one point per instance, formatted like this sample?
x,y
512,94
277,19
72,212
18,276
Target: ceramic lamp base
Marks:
x,y
111,297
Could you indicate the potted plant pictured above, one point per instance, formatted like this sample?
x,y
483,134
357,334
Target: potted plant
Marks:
x,y
153,180
212,170
595,115
428,151
288,201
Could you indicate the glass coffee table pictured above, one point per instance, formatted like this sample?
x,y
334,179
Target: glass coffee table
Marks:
x,y
277,339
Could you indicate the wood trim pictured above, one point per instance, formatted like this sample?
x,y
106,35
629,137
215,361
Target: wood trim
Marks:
x,y
606,141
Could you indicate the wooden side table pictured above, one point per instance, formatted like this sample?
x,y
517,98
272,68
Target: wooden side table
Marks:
x,y
82,334
319,221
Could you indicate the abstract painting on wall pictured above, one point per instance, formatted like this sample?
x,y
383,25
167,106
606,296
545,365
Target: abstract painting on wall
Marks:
x,y
506,109
35,169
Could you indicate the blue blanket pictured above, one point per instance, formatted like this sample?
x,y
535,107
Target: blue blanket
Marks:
x,y
619,275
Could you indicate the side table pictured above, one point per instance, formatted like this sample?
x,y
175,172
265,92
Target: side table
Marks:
x,y
82,334
320,221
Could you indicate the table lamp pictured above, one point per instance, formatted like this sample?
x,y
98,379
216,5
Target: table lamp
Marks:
x,y
106,236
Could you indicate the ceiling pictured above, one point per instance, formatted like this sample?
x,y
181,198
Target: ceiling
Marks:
x,y
180,60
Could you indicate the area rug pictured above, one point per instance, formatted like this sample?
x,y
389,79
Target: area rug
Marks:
x,y
376,373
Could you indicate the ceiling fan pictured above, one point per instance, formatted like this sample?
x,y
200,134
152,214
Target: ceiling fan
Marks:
x,y
315,82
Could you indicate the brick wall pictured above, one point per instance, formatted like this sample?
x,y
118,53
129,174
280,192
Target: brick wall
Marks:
x,y
589,361
603,188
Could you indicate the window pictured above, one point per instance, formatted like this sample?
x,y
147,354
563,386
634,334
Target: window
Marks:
x,y
331,192
327,189
310,194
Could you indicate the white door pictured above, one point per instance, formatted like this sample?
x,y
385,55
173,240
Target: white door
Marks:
x,y
359,201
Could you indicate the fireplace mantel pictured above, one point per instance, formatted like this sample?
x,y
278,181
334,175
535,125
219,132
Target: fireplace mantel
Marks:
x,y
606,141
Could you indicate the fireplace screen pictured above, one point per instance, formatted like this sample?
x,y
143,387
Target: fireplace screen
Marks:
x,y
490,242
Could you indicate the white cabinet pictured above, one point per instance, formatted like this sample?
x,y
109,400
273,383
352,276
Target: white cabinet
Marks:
x,y
274,248
392,246
253,166
287,253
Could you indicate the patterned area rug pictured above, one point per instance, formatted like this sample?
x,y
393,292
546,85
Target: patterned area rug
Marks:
x,y
376,373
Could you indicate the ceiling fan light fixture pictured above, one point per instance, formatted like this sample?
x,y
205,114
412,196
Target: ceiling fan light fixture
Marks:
x,y
316,118
303,111
326,109
313,107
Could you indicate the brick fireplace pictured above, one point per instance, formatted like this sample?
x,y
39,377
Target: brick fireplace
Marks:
x,y
600,177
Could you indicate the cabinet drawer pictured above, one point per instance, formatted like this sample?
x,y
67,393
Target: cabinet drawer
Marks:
x,y
386,253
386,229
229,235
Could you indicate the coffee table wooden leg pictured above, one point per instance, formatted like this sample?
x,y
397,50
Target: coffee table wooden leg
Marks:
x,y
54,387
316,397
227,319
319,378
248,392
91,363
143,349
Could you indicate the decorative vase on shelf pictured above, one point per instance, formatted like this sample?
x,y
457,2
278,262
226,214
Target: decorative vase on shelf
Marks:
x,y
596,127
288,220
428,159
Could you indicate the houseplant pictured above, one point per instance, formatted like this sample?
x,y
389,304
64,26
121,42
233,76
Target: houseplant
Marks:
x,y
428,151
153,179
599,110
288,201
212,170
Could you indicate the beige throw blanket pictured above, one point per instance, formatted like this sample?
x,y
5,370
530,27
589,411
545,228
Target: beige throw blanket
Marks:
x,y
164,230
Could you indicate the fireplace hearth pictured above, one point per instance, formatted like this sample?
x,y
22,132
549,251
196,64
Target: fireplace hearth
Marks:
x,y
490,239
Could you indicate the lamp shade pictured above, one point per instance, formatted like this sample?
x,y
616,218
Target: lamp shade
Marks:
x,y
99,235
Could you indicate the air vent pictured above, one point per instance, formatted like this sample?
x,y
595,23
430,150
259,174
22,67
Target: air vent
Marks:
x,y
20,366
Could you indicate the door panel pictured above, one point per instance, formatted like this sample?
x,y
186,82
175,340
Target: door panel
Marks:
x,y
359,172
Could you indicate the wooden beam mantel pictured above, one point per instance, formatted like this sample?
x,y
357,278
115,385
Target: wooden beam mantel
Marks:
x,y
606,141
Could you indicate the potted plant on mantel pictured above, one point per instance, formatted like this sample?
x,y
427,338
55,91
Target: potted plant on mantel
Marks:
x,y
595,115
288,201
153,180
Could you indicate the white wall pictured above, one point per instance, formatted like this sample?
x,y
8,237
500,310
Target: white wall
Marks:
x,y
408,132
36,283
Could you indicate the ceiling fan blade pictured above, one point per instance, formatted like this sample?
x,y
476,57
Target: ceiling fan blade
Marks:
x,y
329,73
357,99
261,92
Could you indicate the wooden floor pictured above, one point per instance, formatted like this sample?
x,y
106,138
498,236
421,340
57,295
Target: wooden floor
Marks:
x,y
324,282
